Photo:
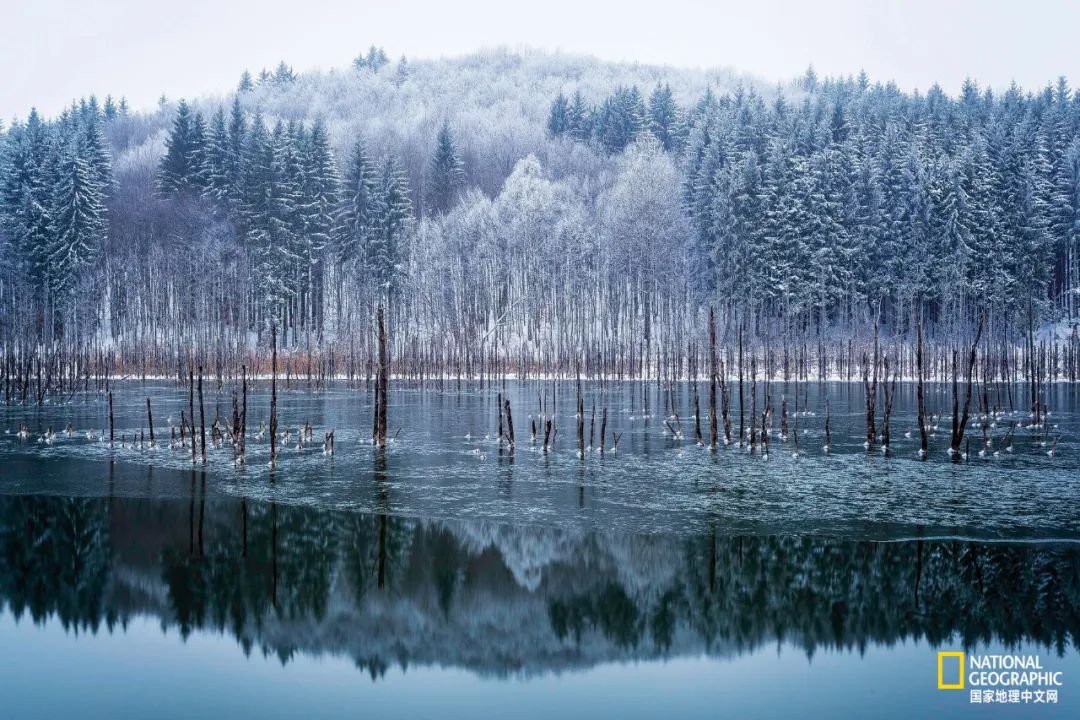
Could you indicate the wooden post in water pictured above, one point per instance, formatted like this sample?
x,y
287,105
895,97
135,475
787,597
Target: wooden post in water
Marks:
x,y
742,428
890,393
110,420
509,423
202,418
753,401
920,392
273,393
191,410
382,383
580,421
871,392
499,407
603,430
712,380
960,424
243,416
150,420
592,425
828,440
783,418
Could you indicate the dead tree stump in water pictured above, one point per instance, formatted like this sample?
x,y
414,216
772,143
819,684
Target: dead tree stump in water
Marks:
x,y
959,424
580,421
150,420
202,418
712,380
890,393
382,383
509,424
273,394
603,430
243,417
191,409
871,392
920,391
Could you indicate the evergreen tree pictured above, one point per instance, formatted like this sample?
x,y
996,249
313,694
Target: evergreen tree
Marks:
x,y
318,204
621,119
446,173
393,214
664,118
27,201
579,120
558,118
402,73
216,160
360,200
181,168
283,74
77,223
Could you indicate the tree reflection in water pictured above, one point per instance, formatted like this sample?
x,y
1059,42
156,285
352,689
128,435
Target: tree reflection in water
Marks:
x,y
499,599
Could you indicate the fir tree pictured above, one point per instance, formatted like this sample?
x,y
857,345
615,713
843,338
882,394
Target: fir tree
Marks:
x,y
664,118
360,200
392,217
558,118
181,169
77,223
446,173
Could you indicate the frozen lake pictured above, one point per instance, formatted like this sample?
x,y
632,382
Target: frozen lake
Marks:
x,y
448,575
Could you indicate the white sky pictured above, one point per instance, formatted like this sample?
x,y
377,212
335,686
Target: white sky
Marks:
x,y
54,50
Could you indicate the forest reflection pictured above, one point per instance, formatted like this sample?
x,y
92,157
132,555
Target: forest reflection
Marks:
x,y
499,599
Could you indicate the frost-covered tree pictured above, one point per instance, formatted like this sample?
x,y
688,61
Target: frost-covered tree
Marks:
x,y
446,173
393,215
360,204
181,169
664,120
77,222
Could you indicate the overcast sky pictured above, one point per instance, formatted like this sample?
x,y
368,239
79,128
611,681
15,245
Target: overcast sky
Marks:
x,y
54,50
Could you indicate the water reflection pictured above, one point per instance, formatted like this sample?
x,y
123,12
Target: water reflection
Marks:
x,y
499,599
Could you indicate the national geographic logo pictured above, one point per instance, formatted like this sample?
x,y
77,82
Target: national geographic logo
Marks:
x,y
949,665
1014,679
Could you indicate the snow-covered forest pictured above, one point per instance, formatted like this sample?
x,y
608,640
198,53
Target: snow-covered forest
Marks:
x,y
533,212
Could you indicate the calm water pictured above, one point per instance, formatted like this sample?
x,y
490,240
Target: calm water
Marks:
x,y
451,579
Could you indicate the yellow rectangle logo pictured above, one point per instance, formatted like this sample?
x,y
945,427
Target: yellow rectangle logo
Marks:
x,y
941,684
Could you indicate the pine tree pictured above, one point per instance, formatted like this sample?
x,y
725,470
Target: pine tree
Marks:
x,y
93,149
376,58
621,119
256,162
283,74
359,206
664,120
180,170
234,156
77,226
318,204
392,217
26,199
558,119
579,119
446,173
216,160
246,83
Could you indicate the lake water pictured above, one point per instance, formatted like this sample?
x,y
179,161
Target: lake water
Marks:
x,y
451,577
